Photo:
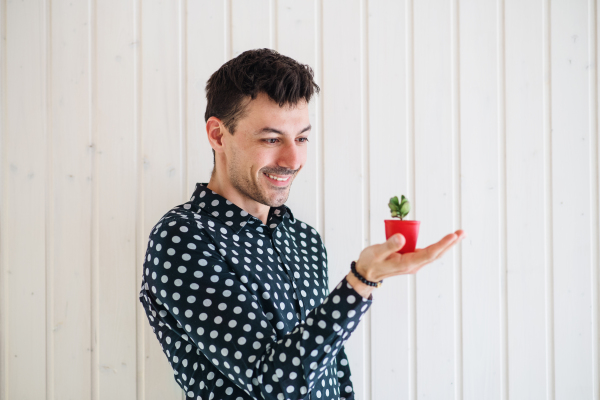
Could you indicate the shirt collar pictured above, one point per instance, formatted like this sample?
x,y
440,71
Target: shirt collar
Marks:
x,y
232,215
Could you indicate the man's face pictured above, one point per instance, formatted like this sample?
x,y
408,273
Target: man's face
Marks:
x,y
268,140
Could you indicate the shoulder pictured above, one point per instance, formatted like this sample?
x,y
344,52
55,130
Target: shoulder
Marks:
x,y
183,215
180,231
179,241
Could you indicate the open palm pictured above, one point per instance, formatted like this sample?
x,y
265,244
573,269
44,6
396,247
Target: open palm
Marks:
x,y
382,261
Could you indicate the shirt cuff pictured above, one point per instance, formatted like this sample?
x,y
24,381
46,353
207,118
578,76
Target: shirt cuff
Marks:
x,y
370,299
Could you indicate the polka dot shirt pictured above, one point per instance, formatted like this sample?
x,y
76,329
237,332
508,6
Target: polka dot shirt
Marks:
x,y
242,309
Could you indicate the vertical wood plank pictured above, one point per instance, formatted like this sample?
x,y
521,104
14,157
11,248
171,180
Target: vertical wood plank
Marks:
x,y
141,238
250,25
162,148
3,197
296,39
571,197
365,331
389,175
548,206
25,202
71,183
319,107
481,142
205,19
595,151
344,178
115,278
525,193
457,201
433,198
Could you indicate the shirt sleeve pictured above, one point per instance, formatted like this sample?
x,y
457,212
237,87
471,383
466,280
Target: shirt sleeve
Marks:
x,y
343,366
193,289
343,374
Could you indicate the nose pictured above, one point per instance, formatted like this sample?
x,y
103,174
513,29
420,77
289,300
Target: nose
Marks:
x,y
292,156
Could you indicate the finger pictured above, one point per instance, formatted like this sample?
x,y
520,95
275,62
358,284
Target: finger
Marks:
x,y
392,245
461,234
421,262
448,248
430,253
419,266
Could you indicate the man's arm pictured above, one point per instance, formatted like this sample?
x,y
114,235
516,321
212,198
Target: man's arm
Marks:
x,y
195,291
343,366
343,374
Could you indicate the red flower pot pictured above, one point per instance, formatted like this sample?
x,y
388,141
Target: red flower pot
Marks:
x,y
408,229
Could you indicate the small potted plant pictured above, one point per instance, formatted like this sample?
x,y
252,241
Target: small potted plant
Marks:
x,y
408,229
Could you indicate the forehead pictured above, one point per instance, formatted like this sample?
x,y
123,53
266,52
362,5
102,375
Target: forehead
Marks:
x,y
263,110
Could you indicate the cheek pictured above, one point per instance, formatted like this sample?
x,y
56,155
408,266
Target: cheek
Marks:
x,y
304,155
258,159
263,157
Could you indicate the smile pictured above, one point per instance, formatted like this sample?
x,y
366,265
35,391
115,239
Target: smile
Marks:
x,y
277,178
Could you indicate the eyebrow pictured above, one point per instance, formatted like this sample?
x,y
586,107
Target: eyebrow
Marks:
x,y
273,130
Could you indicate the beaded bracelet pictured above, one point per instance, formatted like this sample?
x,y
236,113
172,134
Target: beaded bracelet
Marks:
x,y
361,278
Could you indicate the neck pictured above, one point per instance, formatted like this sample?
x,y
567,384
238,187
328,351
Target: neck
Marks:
x,y
224,188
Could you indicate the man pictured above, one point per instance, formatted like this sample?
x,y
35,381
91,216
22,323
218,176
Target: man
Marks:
x,y
235,287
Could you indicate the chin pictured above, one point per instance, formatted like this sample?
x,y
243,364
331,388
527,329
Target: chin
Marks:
x,y
278,200
280,197
274,196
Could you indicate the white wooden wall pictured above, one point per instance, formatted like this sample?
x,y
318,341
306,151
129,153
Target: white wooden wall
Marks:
x,y
484,113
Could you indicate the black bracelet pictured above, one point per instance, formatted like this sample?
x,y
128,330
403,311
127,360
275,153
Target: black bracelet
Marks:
x,y
361,278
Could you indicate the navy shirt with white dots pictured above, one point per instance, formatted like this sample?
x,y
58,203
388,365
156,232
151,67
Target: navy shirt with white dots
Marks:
x,y
241,309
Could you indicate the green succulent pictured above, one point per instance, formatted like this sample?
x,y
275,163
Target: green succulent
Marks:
x,y
400,208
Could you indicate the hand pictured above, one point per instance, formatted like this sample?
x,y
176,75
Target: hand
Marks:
x,y
381,261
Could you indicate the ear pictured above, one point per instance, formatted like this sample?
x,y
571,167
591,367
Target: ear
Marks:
x,y
215,131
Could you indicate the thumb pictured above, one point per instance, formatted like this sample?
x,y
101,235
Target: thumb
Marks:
x,y
396,242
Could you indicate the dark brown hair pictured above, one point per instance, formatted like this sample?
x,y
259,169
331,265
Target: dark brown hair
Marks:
x,y
282,78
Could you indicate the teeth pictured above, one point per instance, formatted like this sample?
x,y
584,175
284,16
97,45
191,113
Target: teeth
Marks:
x,y
276,178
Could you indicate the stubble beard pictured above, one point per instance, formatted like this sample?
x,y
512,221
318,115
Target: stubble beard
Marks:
x,y
252,189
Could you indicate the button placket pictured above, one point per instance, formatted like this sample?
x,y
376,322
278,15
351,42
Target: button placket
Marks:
x,y
295,281
290,272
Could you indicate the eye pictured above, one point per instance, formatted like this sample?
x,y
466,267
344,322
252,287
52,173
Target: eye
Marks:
x,y
302,140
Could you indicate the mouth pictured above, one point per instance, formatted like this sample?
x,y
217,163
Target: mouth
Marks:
x,y
278,180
